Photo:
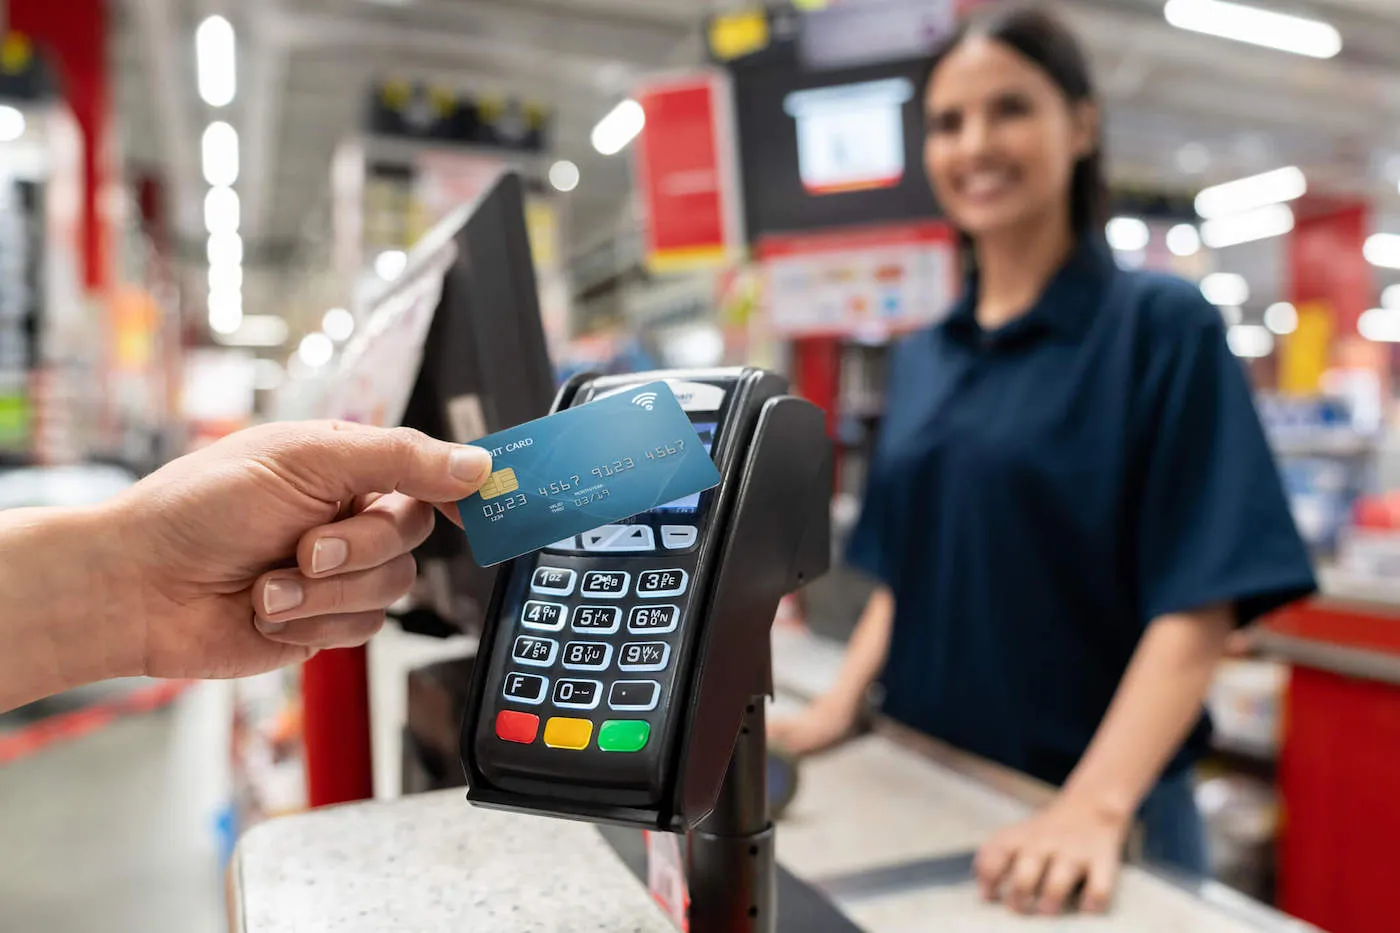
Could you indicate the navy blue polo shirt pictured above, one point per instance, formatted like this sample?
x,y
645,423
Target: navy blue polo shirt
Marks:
x,y
1041,492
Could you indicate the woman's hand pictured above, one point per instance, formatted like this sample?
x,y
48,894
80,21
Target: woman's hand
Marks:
x,y
822,725
275,542
1037,865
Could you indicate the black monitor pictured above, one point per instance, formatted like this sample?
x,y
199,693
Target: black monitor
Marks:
x,y
455,347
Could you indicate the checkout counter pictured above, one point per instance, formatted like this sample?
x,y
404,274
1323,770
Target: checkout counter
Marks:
x,y
884,827
1339,762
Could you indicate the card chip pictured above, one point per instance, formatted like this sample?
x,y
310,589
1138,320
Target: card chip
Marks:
x,y
499,483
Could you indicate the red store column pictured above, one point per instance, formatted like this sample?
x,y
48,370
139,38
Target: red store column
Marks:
x,y
1340,760
74,33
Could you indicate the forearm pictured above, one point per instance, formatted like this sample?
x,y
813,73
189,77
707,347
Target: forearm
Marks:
x,y
61,620
865,652
1157,703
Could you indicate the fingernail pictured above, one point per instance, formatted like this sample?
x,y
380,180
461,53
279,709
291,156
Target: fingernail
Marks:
x,y
281,594
268,627
469,464
328,554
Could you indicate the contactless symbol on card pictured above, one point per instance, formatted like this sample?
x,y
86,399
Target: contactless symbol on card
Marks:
x,y
583,467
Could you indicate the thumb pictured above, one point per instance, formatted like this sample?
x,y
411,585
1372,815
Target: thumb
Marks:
x,y
340,464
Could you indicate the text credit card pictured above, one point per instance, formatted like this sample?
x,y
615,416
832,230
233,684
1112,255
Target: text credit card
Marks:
x,y
583,467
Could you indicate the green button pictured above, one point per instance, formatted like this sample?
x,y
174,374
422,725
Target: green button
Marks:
x,y
624,735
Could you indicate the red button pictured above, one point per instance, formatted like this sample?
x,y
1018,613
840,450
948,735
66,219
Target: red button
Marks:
x,y
517,727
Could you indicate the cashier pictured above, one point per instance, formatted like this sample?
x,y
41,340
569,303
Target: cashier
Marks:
x,y
1071,503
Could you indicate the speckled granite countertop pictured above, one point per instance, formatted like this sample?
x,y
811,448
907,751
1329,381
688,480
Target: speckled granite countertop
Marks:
x,y
434,864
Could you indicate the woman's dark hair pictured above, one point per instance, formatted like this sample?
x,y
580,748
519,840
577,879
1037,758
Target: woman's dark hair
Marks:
x,y
1042,38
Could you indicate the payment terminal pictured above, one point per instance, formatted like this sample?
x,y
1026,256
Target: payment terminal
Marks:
x,y
619,670
616,666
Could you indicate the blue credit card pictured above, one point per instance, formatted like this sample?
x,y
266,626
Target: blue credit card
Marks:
x,y
584,467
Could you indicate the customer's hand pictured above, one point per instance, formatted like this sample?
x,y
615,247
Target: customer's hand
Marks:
x,y
1036,866
822,725
232,561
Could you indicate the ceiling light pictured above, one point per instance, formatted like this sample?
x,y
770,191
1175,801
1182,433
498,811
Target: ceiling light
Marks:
x,y
315,350
1390,298
1225,288
338,324
1128,234
390,264
1256,26
1274,220
227,277
221,213
1383,249
215,61
563,175
11,123
219,154
1379,324
1281,318
619,127
225,312
1250,341
1246,194
225,249
1184,240
257,330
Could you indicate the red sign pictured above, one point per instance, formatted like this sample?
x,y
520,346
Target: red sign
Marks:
x,y
685,167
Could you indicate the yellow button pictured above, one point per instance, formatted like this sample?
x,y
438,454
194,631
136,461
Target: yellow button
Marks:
x,y
567,733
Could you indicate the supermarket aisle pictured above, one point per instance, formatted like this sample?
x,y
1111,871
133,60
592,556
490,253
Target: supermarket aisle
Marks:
x,y
115,831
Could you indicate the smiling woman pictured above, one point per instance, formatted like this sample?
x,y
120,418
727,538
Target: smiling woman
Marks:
x,y
1071,501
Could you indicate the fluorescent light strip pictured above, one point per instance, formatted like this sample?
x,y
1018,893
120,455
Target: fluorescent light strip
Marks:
x,y
216,61
1381,325
1256,26
1274,220
619,127
1247,194
219,154
1383,249
1128,234
257,330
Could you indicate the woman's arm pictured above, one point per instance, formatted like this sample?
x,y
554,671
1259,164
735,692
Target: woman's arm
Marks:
x,y
832,716
1038,863
64,620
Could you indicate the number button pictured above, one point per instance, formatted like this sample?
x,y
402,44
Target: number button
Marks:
x,y
553,581
587,655
634,695
644,656
653,620
534,652
655,583
543,617
609,584
597,620
578,694
526,688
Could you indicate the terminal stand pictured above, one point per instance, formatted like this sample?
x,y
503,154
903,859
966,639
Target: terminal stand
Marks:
x,y
732,870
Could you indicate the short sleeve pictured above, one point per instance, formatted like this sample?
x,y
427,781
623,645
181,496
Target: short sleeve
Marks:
x,y
1214,523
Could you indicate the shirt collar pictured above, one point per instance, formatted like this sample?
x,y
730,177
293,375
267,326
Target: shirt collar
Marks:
x,y
1065,308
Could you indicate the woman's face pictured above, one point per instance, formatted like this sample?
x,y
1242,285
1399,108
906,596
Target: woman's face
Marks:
x,y
1002,140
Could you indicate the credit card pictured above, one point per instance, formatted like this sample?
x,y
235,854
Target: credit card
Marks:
x,y
583,467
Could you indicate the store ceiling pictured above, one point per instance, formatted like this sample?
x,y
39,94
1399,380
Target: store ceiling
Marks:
x,y
304,66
